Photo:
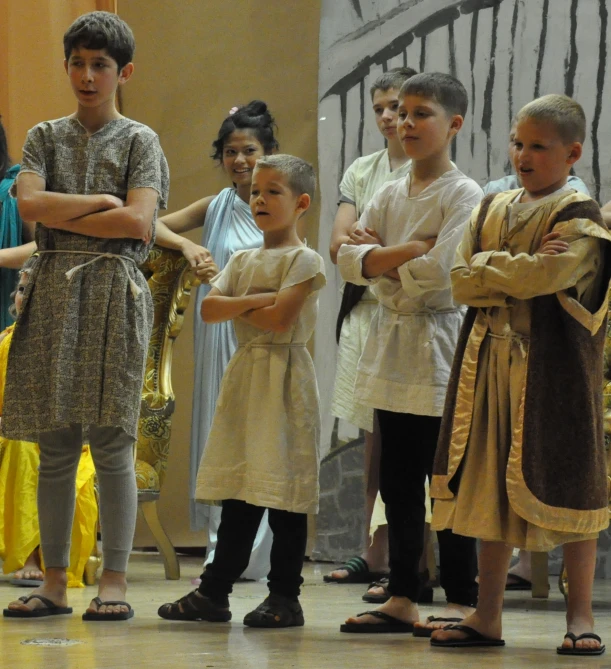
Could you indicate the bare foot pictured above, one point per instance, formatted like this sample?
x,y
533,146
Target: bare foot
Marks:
x,y
581,625
398,607
113,587
489,628
53,588
450,611
31,570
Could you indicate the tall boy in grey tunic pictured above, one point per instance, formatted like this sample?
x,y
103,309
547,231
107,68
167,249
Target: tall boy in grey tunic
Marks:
x,y
93,182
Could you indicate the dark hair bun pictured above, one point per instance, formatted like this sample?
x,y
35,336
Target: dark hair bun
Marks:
x,y
254,116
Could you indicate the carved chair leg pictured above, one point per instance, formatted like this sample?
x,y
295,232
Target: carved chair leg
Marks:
x,y
91,569
540,576
149,511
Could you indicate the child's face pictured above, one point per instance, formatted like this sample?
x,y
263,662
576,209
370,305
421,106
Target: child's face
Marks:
x,y
273,204
424,127
240,154
541,159
23,282
94,76
385,107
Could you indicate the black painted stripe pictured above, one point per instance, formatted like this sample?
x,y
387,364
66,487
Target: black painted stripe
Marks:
x,y
343,106
571,62
452,46
362,119
514,29
472,51
422,52
487,111
542,39
600,84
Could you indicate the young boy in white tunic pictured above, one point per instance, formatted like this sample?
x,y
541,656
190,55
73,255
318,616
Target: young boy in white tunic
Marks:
x,y
520,461
263,448
405,366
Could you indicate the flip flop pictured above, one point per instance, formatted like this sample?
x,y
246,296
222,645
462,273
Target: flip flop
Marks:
x,y
26,582
427,631
581,651
358,572
51,609
472,640
518,583
391,625
104,617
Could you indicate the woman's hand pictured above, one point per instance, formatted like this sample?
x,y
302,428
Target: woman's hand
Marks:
x,y
206,270
197,256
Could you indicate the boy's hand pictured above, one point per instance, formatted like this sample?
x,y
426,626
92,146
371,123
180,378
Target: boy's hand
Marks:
x,y
111,202
551,245
366,236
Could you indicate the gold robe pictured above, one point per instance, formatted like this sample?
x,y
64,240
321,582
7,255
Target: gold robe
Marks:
x,y
509,466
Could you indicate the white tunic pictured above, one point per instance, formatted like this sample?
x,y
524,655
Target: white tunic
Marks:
x,y
263,447
361,180
405,366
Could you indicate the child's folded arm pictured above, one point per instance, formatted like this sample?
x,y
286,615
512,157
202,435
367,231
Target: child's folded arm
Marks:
x,y
133,221
431,271
37,205
282,314
525,276
217,307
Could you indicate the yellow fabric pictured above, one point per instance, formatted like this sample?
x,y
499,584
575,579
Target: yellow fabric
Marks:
x,y
493,502
19,532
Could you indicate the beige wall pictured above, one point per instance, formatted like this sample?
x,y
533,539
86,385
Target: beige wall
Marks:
x,y
33,84
194,61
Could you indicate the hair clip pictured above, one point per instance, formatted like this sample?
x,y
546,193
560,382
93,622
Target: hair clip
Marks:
x,y
232,111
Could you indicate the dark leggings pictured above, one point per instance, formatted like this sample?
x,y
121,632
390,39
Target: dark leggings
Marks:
x,y
408,450
236,535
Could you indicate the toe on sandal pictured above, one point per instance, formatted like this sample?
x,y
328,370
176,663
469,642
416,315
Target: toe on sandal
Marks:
x,y
194,606
425,632
573,650
358,572
389,625
472,639
49,609
96,616
276,611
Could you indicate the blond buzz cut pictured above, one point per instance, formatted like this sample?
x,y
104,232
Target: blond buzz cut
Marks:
x,y
299,174
561,111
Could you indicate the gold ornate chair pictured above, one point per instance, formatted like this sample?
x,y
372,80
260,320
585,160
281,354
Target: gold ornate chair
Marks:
x,y
170,279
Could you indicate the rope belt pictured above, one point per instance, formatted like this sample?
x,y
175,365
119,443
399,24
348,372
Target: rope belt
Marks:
x,y
511,336
134,287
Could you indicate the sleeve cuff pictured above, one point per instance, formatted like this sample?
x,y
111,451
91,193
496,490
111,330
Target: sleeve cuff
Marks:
x,y
350,263
478,265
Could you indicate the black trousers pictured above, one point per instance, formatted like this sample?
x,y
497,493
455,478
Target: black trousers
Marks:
x,y
408,451
236,536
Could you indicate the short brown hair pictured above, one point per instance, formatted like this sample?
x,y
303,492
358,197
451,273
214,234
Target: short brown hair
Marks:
x,y
299,174
561,111
394,78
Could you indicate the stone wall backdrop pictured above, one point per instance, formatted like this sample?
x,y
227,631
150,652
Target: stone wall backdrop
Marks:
x,y
506,52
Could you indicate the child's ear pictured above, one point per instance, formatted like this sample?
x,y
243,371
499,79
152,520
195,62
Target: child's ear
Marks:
x,y
303,203
575,151
126,72
456,123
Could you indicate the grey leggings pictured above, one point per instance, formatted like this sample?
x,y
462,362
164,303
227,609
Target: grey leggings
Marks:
x,y
112,452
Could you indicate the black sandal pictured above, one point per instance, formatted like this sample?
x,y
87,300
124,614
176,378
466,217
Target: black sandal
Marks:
x,y
194,606
276,611
358,572
581,651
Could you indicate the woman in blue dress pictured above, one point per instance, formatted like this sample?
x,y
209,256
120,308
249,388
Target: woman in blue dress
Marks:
x,y
228,226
